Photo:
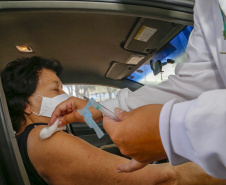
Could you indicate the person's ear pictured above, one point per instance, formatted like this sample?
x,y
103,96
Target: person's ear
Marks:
x,y
28,109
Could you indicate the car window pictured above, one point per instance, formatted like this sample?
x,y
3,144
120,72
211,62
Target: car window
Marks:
x,y
81,130
163,63
98,92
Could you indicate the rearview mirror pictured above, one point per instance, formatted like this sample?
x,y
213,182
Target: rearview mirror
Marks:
x,y
156,67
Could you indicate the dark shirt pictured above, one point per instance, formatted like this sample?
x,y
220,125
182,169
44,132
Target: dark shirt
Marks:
x,y
33,175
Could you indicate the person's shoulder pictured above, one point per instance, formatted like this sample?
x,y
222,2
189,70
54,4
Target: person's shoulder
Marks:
x,y
46,154
34,139
59,139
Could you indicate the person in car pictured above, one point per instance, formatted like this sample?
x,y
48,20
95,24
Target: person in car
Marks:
x,y
63,158
191,126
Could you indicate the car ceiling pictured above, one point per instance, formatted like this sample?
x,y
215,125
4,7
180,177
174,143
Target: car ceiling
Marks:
x,y
86,37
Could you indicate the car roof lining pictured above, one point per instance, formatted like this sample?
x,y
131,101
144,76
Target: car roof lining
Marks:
x,y
85,37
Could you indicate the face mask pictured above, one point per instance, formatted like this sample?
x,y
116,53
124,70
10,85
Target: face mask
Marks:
x,y
49,104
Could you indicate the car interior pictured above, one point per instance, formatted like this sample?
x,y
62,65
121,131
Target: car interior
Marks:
x,y
107,43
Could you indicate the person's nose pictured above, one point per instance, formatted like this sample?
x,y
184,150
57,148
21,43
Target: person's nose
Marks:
x,y
62,92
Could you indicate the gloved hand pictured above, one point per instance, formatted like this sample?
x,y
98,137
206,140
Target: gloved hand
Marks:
x,y
137,136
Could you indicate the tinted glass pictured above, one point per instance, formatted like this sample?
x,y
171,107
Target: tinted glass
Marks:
x,y
164,61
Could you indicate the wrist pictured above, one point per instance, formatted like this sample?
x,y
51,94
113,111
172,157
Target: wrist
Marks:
x,y
157,141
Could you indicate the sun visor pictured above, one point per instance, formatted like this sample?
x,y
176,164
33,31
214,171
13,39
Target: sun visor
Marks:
x,y
118,71
149,34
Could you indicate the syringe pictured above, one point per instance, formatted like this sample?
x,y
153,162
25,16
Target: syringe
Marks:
x,y
101,108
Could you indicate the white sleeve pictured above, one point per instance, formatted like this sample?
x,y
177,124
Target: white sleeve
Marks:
x,y
196,131
197,75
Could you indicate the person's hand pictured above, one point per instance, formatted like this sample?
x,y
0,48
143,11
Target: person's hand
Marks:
x,y
131,166
137,136
68,111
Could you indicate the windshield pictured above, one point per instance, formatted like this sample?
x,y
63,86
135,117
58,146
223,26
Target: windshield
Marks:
x,y
163,63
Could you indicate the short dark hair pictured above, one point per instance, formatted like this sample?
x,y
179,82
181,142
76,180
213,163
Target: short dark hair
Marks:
x,y
19,80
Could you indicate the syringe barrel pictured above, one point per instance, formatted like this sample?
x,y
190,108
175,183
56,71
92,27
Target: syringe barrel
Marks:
x,y
107,112
94,103
101,108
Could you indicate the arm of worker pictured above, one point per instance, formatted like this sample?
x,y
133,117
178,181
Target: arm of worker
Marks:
x,y
195,131
137,135
188,131
199,74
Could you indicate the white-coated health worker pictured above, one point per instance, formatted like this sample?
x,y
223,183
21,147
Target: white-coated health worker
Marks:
x,y
182,119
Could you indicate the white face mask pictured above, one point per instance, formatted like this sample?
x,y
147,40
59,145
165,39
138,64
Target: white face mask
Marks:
x,y
49,104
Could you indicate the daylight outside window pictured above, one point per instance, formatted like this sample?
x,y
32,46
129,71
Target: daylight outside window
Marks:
x,y
98,92
167,57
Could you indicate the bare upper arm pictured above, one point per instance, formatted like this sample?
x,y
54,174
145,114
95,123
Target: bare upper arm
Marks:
x,y
66,159
62,157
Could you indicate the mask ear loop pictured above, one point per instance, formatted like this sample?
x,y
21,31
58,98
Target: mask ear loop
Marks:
x,y
33,111
38,95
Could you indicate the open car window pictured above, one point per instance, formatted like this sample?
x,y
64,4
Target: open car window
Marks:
x,y
82,130
98,92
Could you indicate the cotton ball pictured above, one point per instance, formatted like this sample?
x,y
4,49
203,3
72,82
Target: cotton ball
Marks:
x,y
49,131
44,133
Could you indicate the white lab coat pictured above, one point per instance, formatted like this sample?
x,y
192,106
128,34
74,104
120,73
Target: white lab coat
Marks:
x,y
193,119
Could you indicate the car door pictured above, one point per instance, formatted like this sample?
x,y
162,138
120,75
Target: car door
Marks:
x,y
12,170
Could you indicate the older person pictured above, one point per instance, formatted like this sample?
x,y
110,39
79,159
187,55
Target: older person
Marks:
x,y
63,158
